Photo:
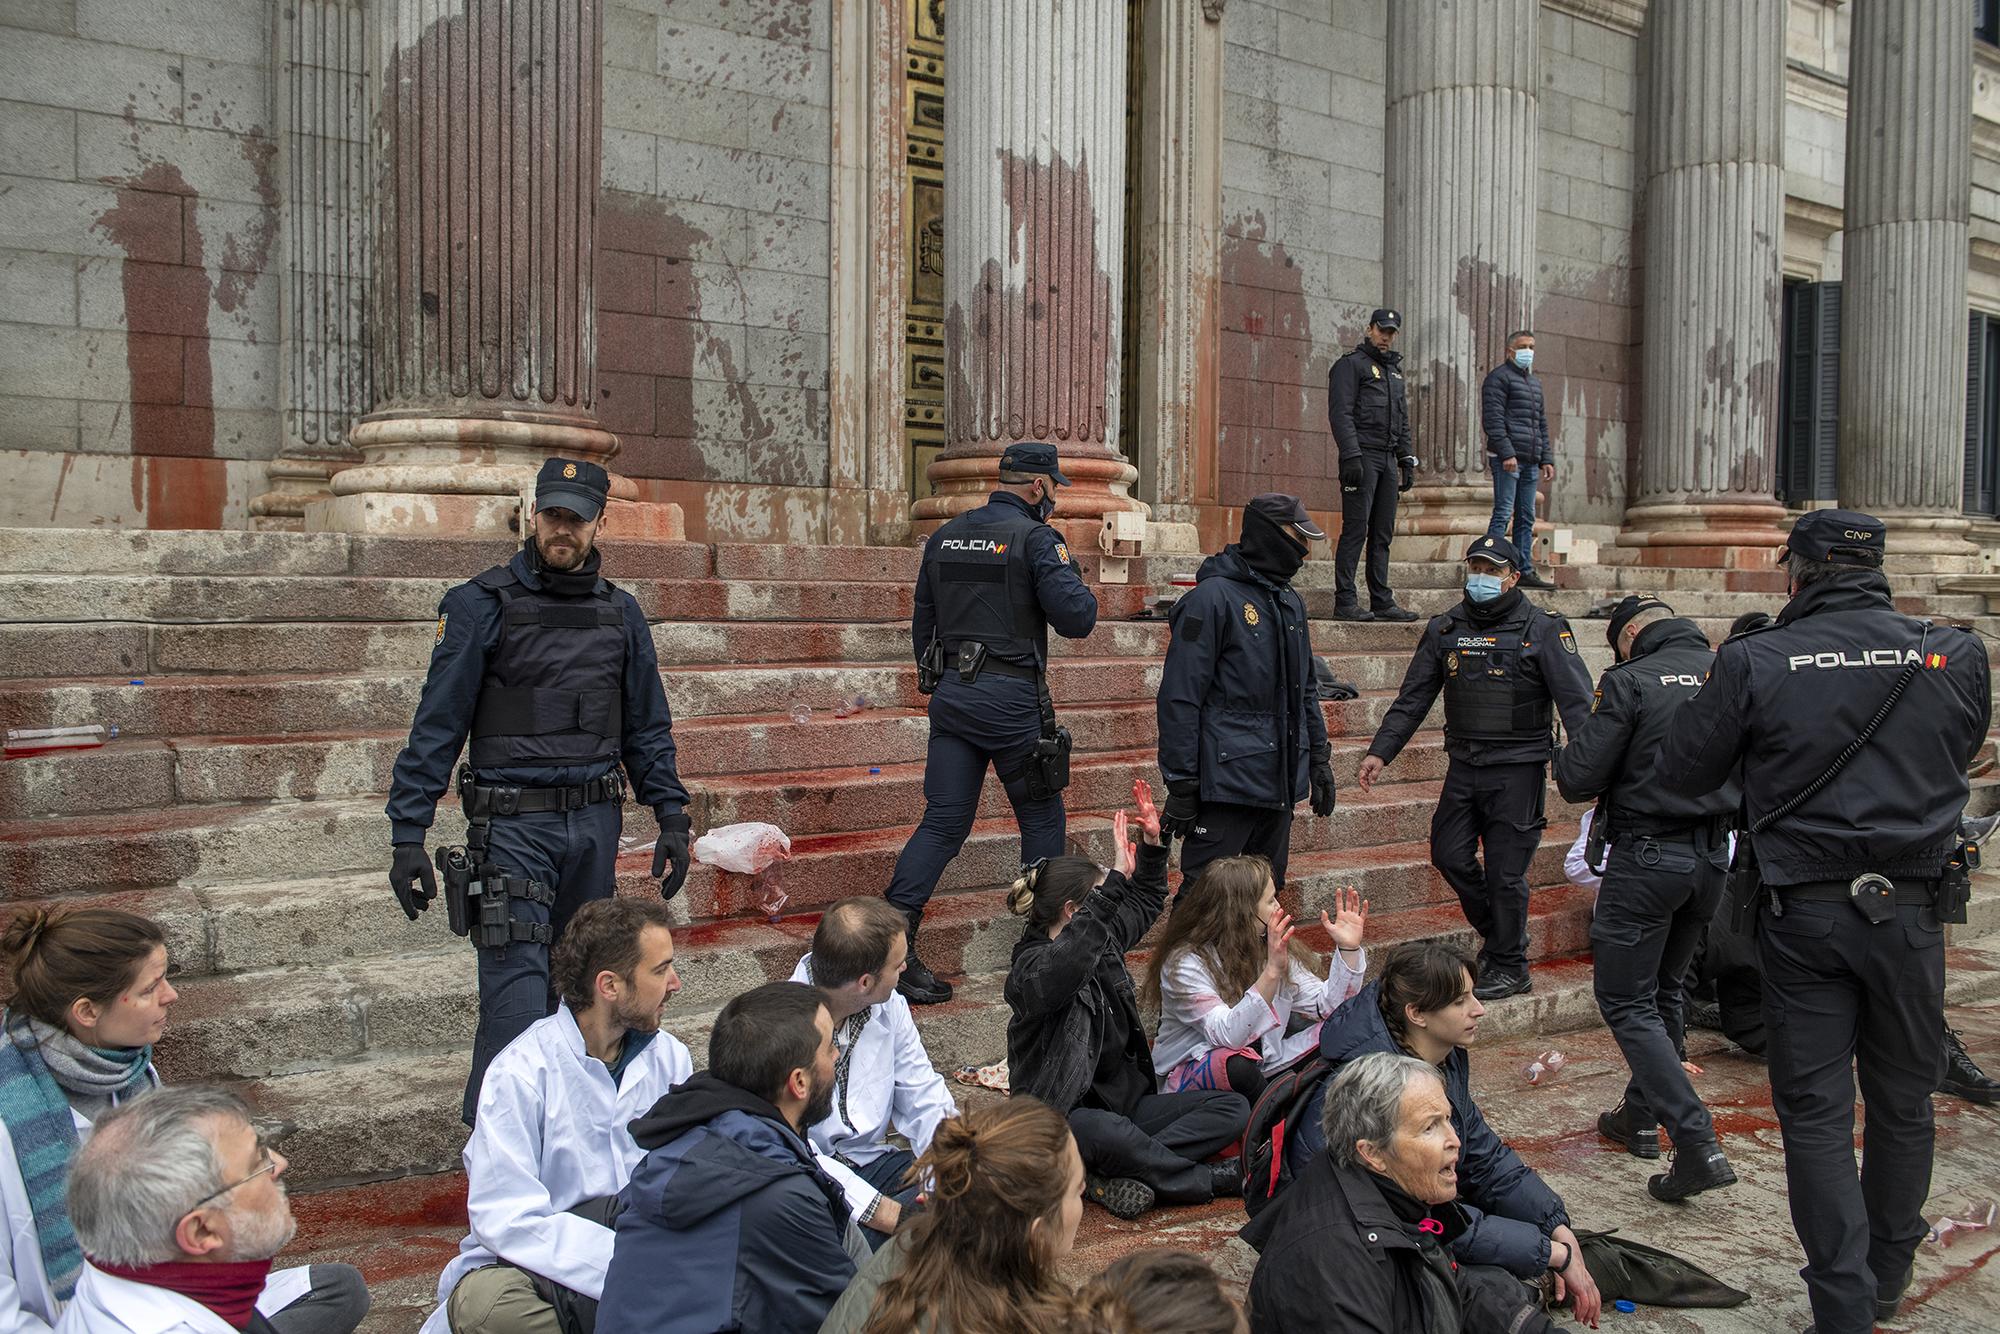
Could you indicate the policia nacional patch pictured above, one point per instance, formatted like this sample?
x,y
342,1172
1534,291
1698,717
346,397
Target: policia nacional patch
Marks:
x,y
1567,640
1249,614
442,618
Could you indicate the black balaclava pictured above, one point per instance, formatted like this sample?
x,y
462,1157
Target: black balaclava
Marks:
x,y
1270,548
569,583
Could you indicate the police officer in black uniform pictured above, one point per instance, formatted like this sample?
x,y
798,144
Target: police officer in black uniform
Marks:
x,y
1502,662
1242,738
551,670
993,581
1370,416
1668,858
1854,725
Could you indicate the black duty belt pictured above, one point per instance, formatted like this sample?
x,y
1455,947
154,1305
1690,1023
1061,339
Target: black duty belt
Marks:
x,y
1015,670
1841,891
1716,828
485,801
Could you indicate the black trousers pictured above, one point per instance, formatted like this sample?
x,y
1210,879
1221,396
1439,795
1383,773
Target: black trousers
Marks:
x,y
1367,515
1658,898
1845,997
1496,809
1726,969
1165,1142
1225,830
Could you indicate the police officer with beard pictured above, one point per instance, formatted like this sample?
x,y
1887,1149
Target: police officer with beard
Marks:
x,y
993,581
1669,856
1242,738
1370,415
1505,667
1853,725
551,670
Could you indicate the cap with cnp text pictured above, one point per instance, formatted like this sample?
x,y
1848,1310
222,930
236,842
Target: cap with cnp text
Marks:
x,y
1837,537
1629,606
573,485
1281,508
1494,551
1032,456
1385,318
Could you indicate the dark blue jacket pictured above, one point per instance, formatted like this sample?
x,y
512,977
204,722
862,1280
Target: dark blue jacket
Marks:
x,y
1066,601
728,1222
1237,705
469,630
1512,416
1512,1210
1365,403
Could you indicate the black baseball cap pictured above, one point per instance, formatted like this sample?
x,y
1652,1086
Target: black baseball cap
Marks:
x,y
1628,607
1495,550
1033,456
1385,318
1281,508
573,485
1838,537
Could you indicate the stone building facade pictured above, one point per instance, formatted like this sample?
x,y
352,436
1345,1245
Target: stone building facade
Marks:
x,y
799,269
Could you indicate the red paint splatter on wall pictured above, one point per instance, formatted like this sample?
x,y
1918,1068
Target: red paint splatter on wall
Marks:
x,y
1273,433
244,257
167,292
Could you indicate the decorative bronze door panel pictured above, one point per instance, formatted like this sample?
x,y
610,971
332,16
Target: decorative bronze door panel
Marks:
x,y
923,228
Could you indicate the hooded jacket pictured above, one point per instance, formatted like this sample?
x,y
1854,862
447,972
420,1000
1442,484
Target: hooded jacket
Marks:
x,y
728,1222
1510,1210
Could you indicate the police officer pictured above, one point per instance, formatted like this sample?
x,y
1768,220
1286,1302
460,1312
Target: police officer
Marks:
x,y
1501,662
993,581
1669,856
1242,738
1370,416
1854,725
551,671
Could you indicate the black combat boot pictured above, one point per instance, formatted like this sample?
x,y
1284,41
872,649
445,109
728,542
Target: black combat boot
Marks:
x,y
1697,1167
919,985
1962,1077
1617,1126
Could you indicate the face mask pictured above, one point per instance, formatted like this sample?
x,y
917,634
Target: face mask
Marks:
x,y
1524,357
1482,587
1045,507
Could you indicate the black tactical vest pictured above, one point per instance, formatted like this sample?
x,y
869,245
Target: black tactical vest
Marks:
x,y
554,687
984,588
1487,693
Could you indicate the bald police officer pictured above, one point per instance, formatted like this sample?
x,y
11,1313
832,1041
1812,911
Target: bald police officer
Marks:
x,y
551,670
1505,667
993,581
1854,725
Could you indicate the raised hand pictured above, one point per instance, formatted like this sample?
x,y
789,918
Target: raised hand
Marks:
x,y
1149,815
1349,921
1125,857
1278,944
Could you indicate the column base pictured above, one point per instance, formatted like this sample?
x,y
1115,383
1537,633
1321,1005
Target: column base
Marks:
x,y
1100,484
1706,526
1445,509
295,483
1925,533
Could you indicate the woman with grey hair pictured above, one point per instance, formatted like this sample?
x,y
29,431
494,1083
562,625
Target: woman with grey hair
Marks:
x,y
1360,1241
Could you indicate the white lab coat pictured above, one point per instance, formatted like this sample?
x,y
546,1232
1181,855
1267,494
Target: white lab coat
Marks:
x,y
27,1303
1195,1019
551,1132
893,1085
107,1305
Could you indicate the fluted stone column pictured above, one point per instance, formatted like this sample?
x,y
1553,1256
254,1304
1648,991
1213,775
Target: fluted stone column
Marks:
x,y
1034,244
1715,200
487,139
1459,243
1903,298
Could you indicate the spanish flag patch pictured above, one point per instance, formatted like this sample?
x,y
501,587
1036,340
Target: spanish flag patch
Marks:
x,y
1936,661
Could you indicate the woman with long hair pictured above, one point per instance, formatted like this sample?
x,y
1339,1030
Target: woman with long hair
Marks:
x,y
1004,1188
1156,1292
1238,994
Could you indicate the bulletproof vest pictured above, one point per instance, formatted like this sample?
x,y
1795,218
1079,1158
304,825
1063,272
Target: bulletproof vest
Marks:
x,y
983,586
1488,695
553,693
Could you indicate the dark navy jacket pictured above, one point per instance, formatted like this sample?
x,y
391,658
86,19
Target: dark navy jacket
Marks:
x,y
1511,1209
1067,602
1237,705
468,631
1365,402
728,1222
1512,416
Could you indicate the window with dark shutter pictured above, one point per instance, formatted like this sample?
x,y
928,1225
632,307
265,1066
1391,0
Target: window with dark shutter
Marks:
x,y
1809,394
1982,414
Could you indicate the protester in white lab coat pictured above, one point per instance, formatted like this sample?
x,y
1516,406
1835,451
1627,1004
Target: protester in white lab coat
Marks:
x,y
1576,862
884,1078
550,1136
179,1206
90,998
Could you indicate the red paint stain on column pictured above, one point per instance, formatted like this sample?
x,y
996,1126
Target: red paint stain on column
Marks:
x,y
1273,433
167,293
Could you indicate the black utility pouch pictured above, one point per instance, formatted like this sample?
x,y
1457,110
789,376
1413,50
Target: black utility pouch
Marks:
x,y
971,657
455,870
930,668
1874,897
1743,887
1048,771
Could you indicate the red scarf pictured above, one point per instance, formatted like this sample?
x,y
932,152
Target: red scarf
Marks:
x,y
228,1288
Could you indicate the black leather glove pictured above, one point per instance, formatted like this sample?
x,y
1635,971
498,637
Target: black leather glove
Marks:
x,y
412,879
1350,474
672,846
1183,805
1408,463
1322,785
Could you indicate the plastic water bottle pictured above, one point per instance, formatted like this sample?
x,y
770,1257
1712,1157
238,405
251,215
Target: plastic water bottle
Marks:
x,y
847,708
1544,1066
801,712
35,740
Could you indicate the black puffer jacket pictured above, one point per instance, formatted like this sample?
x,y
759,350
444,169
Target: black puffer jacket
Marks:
x,y
1512,416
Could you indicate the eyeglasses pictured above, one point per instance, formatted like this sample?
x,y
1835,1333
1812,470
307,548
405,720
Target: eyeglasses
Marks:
x,y
270,1165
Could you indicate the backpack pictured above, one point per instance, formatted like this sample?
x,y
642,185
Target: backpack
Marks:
x,y
1266,1140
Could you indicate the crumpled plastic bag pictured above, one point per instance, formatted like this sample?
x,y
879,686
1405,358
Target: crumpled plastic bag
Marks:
x,y
745,848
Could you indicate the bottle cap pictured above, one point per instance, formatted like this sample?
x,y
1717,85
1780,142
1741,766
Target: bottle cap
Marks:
x,y
1623,1305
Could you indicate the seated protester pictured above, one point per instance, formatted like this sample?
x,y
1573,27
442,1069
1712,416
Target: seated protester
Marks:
x,y
90,999
883,1078
1156,1292
1360,1242
1005,1194
1236,992
1422,1005
180,1206
549,1147
729,1222
1075,1039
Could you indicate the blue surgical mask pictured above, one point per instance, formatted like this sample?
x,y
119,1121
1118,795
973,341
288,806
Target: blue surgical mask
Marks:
x,y
1524,357
1482,587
